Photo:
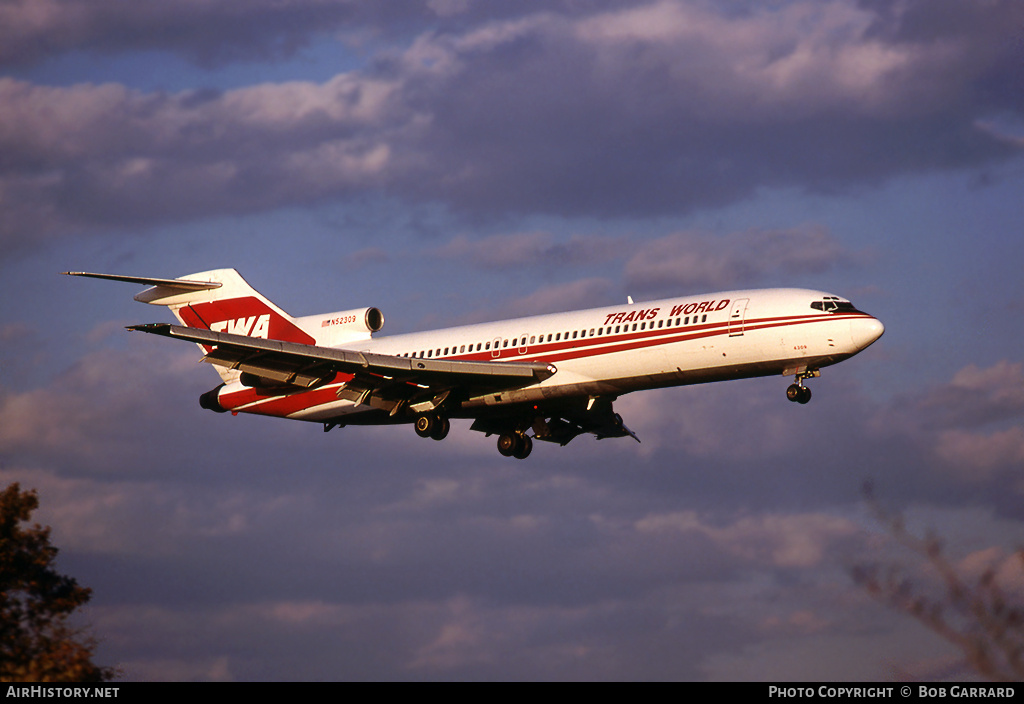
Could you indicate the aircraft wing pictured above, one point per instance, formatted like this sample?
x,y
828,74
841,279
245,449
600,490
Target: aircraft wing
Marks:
x,y
307,365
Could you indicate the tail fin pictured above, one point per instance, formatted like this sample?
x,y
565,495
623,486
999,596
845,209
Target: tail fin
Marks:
x,y
233,306
219,300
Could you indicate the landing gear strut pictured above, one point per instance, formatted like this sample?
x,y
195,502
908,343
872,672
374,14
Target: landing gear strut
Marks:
x,y
432,426
515,444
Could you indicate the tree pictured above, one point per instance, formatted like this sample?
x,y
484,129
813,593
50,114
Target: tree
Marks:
x,y
36,641
976,615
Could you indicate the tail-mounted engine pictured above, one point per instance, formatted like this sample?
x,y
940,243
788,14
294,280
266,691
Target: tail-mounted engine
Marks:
x,y
331,329
211,402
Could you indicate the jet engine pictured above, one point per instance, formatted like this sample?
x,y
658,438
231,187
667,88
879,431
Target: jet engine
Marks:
x,y
211,402
342,326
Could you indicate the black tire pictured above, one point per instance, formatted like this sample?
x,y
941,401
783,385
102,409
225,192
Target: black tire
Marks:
x,y
523,448
441,428
425,426
507,443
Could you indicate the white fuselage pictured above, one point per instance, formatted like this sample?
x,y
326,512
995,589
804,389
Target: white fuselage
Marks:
x,y
606,352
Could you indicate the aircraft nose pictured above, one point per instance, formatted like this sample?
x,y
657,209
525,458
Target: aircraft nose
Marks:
x,y
865,331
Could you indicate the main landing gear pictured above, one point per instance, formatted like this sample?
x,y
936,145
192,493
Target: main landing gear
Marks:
x,y
434,426
797,392
515,444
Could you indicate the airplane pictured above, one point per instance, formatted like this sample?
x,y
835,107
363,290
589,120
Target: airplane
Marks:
x,y
546,377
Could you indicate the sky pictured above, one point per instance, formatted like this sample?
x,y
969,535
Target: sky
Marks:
x,y
457,161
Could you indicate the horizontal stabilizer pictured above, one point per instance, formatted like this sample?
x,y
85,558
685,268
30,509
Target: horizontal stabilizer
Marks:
x,y
181,285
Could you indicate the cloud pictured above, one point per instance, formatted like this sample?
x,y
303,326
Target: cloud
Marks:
x,y
783,541
661,108
63,420
555,298
106,156
965,432
974,398
532,249
689,260
975,455
209,33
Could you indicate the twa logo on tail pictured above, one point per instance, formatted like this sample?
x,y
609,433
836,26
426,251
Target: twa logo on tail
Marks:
x,y
253,326
246,315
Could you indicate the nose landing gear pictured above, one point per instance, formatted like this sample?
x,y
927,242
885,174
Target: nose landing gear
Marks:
x,y
797,392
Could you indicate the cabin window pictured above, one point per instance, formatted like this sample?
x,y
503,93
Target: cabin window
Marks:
x,y
704,318
504,343
533,338
591,332
487,346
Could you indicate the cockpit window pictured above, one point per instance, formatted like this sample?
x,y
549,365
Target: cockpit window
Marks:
x,y
833,304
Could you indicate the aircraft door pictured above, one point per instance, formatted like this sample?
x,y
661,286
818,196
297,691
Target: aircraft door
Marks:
x,y
738,317
496,349
522,344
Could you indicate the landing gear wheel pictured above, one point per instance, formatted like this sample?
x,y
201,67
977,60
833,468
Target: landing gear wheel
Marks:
x,y
524,448
507,443
425,425
441,428
798,393
518,445
433,426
